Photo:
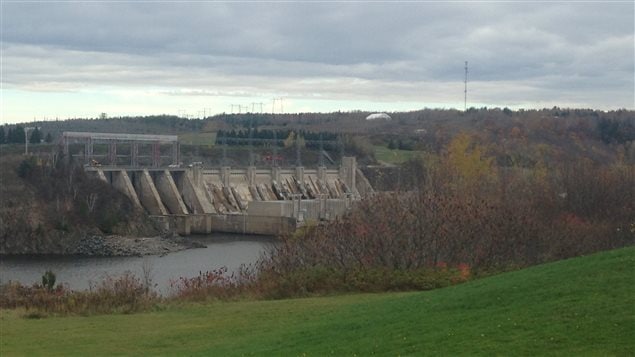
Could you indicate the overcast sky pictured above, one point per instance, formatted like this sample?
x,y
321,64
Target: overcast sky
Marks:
x,y
81,58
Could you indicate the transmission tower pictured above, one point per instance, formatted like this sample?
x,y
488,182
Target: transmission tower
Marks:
x,y
273,105
253,106
465,90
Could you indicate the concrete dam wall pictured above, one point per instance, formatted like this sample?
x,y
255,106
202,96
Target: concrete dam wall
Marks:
x,y
239,200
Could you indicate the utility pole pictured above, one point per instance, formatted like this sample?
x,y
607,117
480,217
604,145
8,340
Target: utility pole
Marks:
x,y
224,144
321,156
465,90
251,149
274,159
298,155
341,145
26,138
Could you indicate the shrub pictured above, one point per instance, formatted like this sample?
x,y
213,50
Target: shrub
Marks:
x,y
26,167
48,280
215,284
123,294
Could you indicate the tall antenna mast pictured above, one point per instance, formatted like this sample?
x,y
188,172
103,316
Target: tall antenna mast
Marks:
x,y
465,91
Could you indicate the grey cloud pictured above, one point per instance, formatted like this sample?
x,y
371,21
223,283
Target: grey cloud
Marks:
x,y
586,47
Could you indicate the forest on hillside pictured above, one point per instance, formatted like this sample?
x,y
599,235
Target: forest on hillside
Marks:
x,y
521,137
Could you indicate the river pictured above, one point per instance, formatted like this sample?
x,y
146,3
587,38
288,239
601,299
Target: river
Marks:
x,y
222,250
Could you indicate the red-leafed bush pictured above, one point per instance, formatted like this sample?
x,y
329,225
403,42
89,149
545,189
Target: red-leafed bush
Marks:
x,y
506,219
123,294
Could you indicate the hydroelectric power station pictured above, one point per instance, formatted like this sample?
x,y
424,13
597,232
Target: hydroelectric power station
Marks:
x,y
201,200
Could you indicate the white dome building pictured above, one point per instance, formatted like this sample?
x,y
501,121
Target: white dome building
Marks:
x,y
379,116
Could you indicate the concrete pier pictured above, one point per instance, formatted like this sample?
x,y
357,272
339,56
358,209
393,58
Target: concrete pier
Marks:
x,y
168,193
148,194
196,198
121,182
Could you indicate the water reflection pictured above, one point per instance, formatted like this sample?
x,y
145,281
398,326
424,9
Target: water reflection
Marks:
x,y
222,250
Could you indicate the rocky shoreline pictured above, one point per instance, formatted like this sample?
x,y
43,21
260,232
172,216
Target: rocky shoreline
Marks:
x,y
115,245
96,244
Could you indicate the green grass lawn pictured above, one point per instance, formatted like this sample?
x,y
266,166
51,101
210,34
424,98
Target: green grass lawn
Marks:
x,y
387,155
583,306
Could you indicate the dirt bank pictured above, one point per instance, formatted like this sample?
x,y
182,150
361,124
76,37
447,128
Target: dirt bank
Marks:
x,y
50,207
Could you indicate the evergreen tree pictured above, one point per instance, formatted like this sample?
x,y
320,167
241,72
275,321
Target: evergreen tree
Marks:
x,y
2,135
48,138
17,135
36,136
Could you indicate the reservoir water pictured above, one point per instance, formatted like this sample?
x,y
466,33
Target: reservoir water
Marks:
x,y
222,250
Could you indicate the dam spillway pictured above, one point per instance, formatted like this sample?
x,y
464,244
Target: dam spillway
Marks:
x,y
271,201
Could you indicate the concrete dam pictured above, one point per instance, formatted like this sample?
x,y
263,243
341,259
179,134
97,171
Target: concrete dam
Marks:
x,y
198,200
239,200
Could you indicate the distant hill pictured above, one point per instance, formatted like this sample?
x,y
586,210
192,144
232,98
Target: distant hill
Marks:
x,y
162,124
523,136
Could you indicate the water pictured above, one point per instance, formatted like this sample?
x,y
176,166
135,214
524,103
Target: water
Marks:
x,y
226,250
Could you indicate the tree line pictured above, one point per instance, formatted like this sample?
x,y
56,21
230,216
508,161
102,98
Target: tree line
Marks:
x,y
16,135
282,137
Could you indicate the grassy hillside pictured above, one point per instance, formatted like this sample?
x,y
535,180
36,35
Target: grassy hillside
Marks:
x,y
395,156
579,306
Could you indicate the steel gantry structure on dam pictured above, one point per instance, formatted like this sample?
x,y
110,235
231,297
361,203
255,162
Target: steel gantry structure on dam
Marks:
x,y
136,145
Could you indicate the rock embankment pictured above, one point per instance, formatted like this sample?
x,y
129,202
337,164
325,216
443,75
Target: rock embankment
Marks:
x,y
114,245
